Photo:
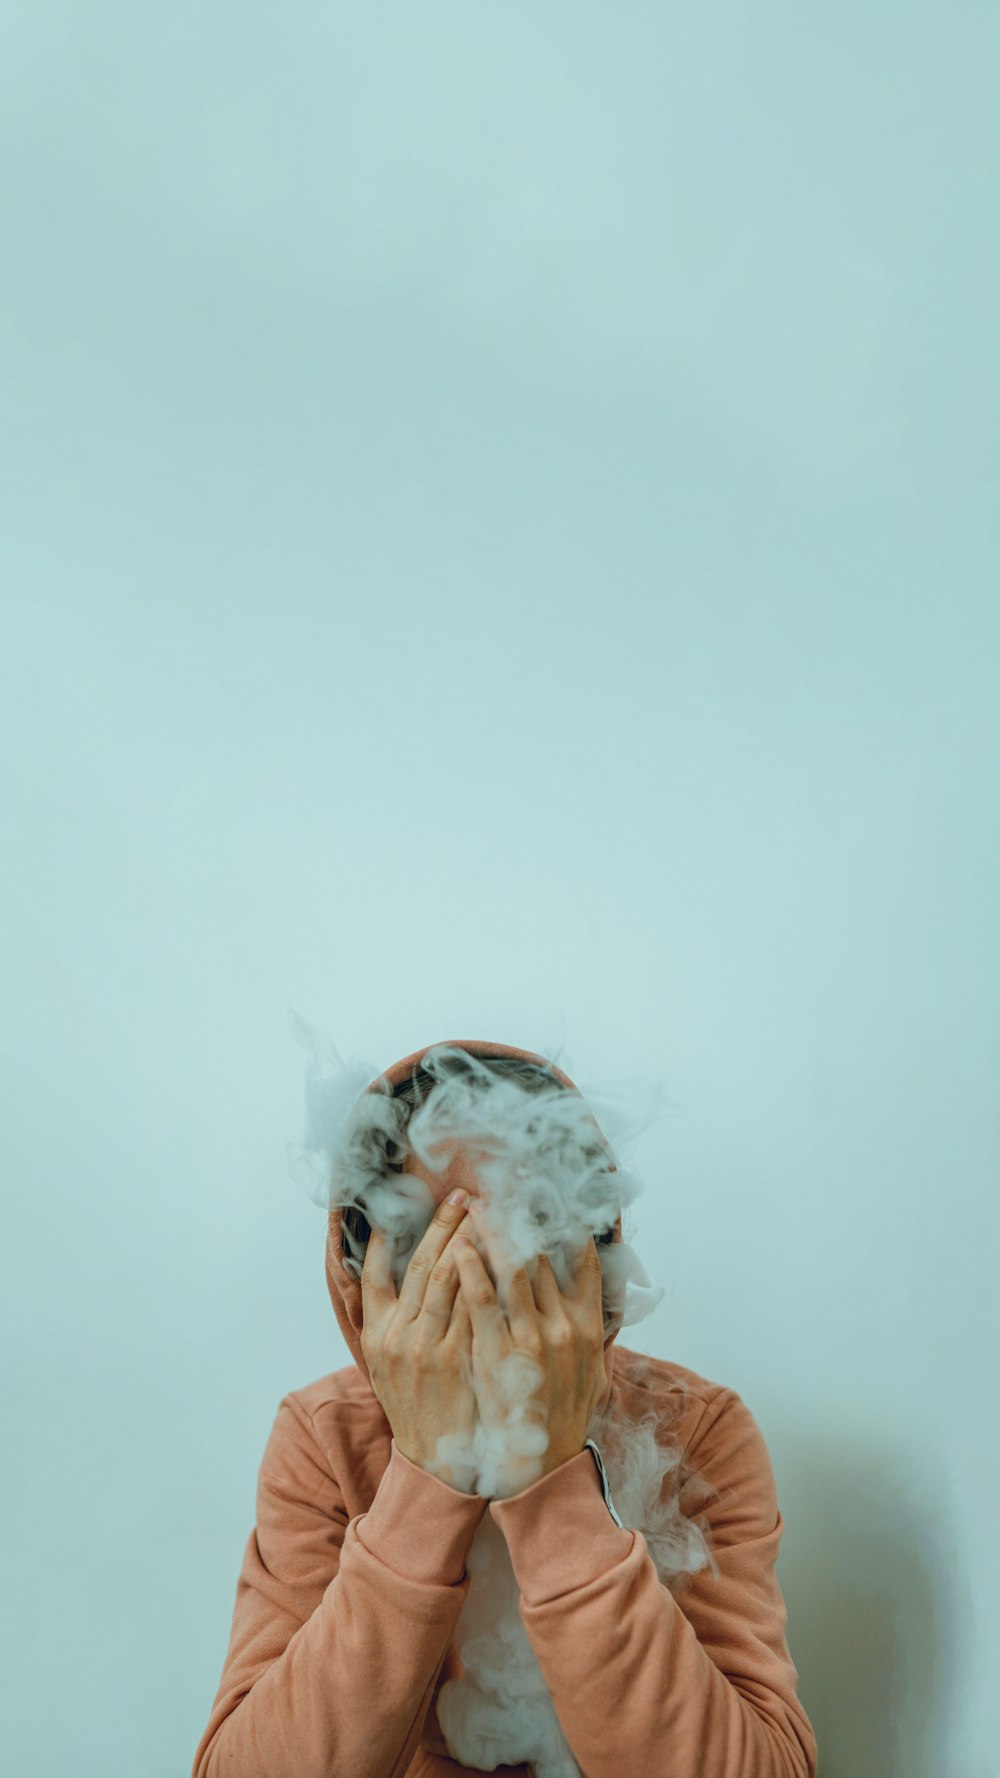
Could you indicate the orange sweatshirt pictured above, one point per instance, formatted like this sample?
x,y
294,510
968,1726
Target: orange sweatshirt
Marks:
x,y
354,1577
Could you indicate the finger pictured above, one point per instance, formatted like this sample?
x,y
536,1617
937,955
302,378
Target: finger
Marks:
x,y
489,1329
443,1287
460,1325
378,1288
429,1250
585,1272
479,1233
376,1273
547,1293
585,1297
522,1313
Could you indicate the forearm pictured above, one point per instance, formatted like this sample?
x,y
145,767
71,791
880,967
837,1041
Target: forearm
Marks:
x,y
329,1707
634,1688
679,1712
348,1694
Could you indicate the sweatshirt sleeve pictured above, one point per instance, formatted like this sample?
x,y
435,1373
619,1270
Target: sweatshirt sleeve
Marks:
x,y
340,1625
645,1682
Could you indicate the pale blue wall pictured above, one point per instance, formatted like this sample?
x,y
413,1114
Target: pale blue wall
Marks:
x,y
500,540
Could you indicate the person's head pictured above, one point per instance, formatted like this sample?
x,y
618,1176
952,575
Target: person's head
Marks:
x,y
409,1094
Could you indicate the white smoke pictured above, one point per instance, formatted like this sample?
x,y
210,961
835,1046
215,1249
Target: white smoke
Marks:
x,y
549,1174
499,1711
549,1178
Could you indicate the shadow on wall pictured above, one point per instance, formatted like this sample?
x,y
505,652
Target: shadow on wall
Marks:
x,y
875,1613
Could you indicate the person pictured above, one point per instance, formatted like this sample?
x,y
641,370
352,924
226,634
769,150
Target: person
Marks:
x,y
346,1637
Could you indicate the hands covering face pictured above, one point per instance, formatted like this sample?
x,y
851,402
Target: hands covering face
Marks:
x,y
560,1331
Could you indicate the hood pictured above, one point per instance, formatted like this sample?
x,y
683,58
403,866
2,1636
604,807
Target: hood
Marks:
x,y
345,1290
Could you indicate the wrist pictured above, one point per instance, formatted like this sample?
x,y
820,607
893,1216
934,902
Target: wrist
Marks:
x,y
560,1454
457,1474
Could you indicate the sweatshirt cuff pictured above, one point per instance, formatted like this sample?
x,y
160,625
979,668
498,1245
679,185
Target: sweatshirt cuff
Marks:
x,y
559,1532
418,1525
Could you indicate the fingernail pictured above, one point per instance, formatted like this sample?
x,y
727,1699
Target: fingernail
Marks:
x,y
457,1197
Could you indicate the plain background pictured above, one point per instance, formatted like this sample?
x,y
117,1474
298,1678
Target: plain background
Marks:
x,y
499,540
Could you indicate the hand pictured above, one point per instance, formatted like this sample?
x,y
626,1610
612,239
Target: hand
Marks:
x,y
416,1346
561,1337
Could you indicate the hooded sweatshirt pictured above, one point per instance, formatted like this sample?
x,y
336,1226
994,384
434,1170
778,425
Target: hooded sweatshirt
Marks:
x,y
657,1662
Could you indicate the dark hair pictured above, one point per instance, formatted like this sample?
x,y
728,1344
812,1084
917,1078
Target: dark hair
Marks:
x,y
532,1076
